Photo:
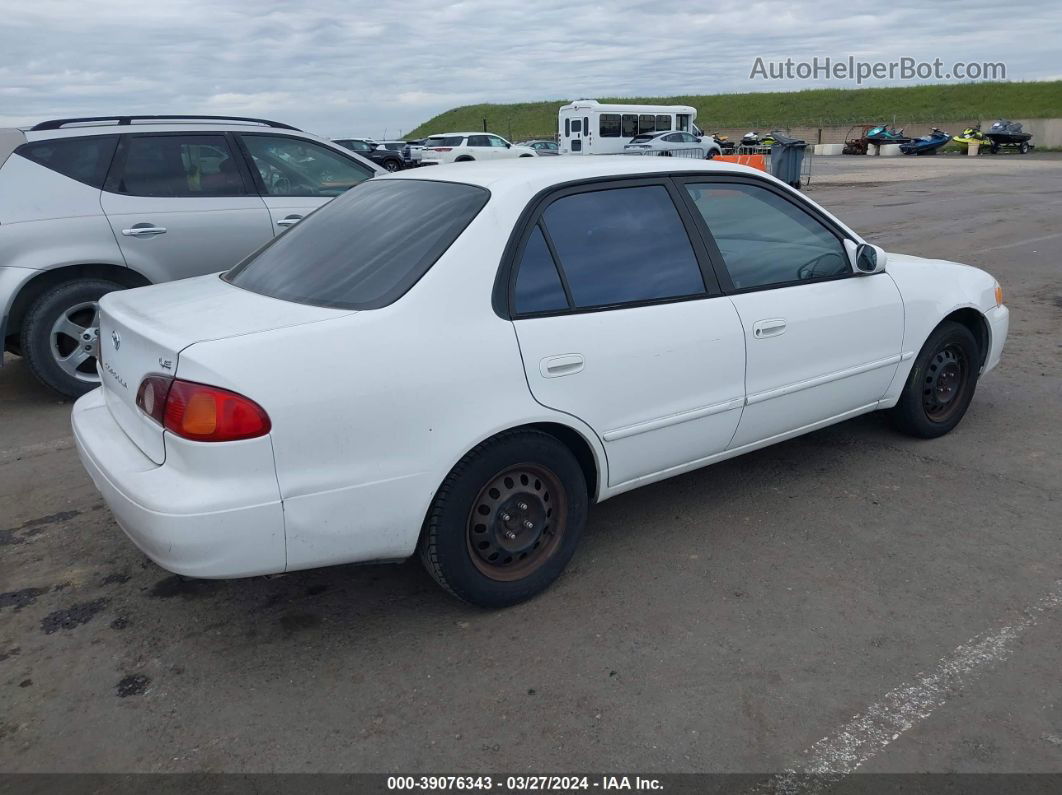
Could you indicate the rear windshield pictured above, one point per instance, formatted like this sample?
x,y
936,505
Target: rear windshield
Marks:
x,y
453,140
642,138
364,249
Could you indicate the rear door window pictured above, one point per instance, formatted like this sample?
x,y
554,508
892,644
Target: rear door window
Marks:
x,y
297,167
178,166
84,159
538,285
623,245
365,249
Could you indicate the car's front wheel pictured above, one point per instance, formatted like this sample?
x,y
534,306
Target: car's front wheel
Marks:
x,y
392,165
506,520
941,383
60,332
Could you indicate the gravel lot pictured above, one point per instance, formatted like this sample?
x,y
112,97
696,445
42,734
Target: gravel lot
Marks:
x,y
733,619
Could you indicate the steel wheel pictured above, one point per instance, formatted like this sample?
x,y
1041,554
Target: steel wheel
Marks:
x,y
517,522
73,340
946,380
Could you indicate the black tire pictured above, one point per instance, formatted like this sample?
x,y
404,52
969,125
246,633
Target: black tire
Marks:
x,y
37,335
392,165
1023,148
941,383
465,159
456,540
710,155
994,148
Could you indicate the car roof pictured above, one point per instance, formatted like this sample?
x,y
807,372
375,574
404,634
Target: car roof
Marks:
x,y
192,126
534,174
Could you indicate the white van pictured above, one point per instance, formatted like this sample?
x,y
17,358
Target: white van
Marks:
x,y
586,127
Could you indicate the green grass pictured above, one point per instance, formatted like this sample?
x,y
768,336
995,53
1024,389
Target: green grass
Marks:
x,y
814,108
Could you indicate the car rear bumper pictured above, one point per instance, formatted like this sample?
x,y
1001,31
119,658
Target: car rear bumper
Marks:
x,y
999,325
212,510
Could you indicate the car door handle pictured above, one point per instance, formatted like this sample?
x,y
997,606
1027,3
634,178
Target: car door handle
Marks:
x,y
144,230
290,220
556,366
768,328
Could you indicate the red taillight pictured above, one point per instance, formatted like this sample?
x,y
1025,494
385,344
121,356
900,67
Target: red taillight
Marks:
x,y
151,396
200,412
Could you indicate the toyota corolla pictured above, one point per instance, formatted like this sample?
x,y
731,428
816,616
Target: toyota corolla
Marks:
x,y
460,365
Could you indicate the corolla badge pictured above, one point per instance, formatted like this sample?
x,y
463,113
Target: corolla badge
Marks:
x,y
116,340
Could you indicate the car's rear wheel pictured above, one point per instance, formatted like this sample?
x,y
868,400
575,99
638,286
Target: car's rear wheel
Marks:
x,y
506,520
941,383
60,333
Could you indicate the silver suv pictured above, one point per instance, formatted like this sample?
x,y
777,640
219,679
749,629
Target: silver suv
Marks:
x,y
92,205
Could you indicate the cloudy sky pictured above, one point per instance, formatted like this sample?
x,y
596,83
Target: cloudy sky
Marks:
x,y
376,68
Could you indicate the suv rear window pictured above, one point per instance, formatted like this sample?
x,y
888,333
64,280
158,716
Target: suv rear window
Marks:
x,y
453,140
85,159
365,249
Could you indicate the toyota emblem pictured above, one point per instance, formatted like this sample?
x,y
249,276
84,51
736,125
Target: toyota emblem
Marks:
x,y
116,340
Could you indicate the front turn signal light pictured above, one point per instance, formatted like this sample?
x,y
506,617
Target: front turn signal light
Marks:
x,y
999,294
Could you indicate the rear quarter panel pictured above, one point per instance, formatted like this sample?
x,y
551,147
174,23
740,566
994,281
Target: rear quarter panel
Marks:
x,y
371,411
48,220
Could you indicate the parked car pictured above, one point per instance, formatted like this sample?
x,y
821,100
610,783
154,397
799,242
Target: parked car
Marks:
x,y
465,147
459,366
675,143
382,156
542,147
93,205
411,153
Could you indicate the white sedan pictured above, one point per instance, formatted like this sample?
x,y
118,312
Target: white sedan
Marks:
x,y
460,366
673,143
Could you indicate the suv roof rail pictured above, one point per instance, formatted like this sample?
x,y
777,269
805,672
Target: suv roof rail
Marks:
x,y
56,124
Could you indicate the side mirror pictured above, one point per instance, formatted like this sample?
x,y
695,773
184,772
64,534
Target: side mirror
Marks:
x,y
866,258
508,146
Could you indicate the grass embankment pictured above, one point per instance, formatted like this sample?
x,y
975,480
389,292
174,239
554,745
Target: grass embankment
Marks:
x,y
811,108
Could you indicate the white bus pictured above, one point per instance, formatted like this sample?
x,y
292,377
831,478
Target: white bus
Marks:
x,y
586,127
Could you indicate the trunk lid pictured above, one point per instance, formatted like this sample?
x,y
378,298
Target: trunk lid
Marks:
x,y
143,331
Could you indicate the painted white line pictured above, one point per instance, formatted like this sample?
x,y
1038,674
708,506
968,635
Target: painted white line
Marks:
x,y
1025,242
866,734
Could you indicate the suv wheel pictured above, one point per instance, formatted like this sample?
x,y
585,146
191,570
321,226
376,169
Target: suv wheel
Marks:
x,y
60,333
393,165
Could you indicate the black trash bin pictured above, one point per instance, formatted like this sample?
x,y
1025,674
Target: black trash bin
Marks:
x,y
787,158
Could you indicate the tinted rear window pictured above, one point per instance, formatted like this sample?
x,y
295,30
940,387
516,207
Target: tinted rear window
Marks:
x,y
84,159
364,249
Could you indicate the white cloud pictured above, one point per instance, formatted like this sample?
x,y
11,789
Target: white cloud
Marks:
x,y
338,68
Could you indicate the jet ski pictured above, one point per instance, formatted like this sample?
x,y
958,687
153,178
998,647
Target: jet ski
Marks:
x,y
886,135
1008,133
927,144
751,138
971,135
725,144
